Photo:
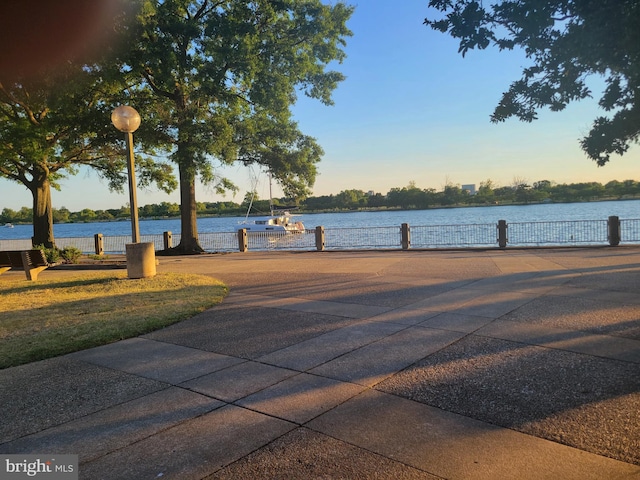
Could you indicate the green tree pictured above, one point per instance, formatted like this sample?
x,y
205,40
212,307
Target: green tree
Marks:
x,y
485,192
567,41
453,194
249,198
148,211
409,197
377,200
630,187
588,191
56,122
351,199
167,209
543,185
224,75
103,216
504,194
524,193
61,215
323,202
7,215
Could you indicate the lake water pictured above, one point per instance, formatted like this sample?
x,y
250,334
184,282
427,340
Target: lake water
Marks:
x,y
551,212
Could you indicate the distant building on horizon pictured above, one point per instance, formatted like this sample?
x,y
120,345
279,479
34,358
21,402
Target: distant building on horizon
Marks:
x,y
471,188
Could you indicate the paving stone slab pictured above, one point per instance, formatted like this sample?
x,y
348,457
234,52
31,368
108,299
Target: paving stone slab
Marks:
x,y
519,262
192,449
248,332
450,300
43,394
373,363
304,454
606,346
623,278
615,298
157,360
525,282
446,266
494,305
455,447
321,349
299,399
559,395
379,291
117,427
578,313
239,381
287,283
350,310
404,316
457,322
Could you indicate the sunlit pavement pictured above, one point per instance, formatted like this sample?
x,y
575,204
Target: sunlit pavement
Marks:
x,y
405,364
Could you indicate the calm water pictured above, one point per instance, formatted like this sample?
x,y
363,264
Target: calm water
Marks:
x,y
629,209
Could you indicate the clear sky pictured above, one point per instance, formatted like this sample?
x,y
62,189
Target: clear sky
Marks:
x,y
411,109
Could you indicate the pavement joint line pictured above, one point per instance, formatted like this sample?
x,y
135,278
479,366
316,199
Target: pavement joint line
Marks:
x,y
576,333
297,424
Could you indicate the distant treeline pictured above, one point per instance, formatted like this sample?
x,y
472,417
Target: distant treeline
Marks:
x,y
409,197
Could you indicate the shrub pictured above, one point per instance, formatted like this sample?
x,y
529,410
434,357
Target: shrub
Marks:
x,y
52,254
71,254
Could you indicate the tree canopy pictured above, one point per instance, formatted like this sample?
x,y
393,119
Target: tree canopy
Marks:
x,y
225,74
55,103
52,124
567,41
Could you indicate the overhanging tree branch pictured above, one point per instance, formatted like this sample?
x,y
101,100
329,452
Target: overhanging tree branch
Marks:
x,y
567,41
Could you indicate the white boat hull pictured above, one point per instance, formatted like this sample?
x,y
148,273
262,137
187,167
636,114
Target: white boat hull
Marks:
x,y
272,224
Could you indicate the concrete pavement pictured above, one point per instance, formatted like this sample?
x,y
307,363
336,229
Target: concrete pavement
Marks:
x,y
406,364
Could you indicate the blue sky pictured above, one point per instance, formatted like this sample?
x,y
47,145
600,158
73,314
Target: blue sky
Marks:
x,y
411,110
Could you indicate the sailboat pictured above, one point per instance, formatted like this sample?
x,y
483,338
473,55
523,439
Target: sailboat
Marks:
x,y
275,222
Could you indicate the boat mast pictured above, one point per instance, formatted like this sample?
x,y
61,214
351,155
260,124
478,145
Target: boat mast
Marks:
x,y
270,196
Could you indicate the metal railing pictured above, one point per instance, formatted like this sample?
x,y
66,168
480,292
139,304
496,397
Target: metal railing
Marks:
x,y
501,235
591,232
440,236
630,231
362,238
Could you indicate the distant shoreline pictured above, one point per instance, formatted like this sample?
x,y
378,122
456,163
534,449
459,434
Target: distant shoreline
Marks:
x,y
339,210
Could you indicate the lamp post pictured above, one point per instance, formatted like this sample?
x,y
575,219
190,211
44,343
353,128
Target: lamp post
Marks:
x,y
127,120
141,261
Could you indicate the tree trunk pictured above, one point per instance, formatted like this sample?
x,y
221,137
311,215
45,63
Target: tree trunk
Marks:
x,y
188,223
42,213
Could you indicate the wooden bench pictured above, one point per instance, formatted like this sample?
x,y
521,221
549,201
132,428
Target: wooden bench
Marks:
x,y
31,261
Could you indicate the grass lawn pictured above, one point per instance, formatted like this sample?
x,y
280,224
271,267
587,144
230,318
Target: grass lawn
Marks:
x,y
47,318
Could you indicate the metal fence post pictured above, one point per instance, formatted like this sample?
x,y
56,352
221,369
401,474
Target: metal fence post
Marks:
x,y
320,238
502,233
243,245
99,243
613,230
167,238
406,236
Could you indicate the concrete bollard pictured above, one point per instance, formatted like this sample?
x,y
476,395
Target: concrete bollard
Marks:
x,y
320,238
502,233
243,244
98,241
167,238
406,236
613,230
141,260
